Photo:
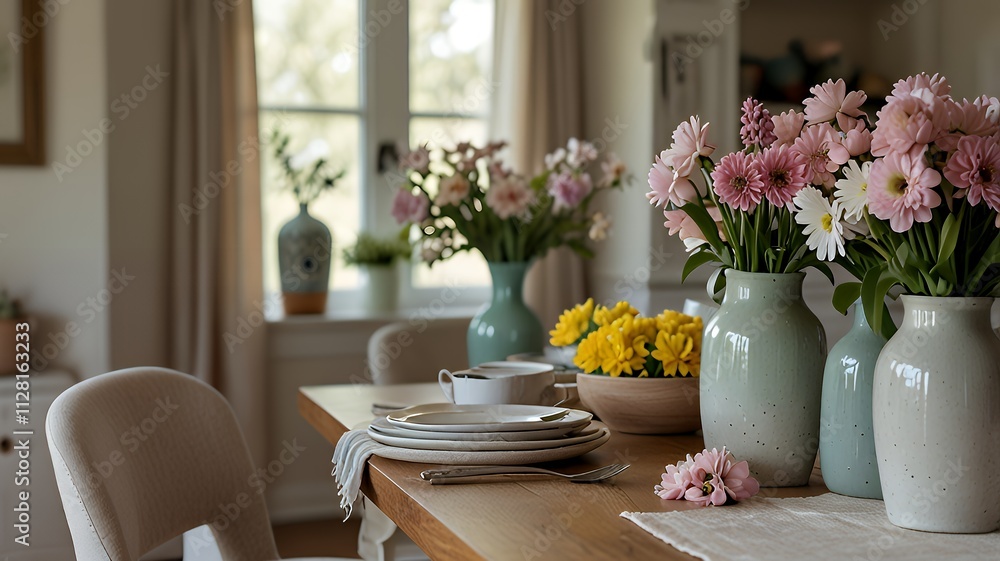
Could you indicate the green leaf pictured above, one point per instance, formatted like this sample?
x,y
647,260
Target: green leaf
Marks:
x,y
845,295
949,239
707,226
697,260
874,289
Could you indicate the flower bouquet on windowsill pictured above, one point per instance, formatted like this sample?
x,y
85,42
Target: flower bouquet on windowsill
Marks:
x,y
466,198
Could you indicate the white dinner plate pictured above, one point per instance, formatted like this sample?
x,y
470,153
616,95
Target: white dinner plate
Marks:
x,y
593,432
383,426
448,417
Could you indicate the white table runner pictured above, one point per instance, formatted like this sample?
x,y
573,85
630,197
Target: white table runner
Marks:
x,y
829,526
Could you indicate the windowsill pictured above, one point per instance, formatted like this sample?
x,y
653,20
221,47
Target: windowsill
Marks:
x,y
349,317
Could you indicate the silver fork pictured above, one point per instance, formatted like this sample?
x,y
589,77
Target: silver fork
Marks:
x,y
449,474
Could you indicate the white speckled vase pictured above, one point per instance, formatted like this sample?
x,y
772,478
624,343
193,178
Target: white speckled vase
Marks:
x,y
936,406
762,377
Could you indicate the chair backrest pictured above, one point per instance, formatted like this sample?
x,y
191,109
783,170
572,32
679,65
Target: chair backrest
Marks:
x,y
144,454
408,352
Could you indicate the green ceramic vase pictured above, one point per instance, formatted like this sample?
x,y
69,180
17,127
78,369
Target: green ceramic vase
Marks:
x,y
762,377
506,325
846,438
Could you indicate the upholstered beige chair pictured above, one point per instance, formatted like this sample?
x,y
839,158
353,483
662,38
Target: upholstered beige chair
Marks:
x,y
408,352
145,454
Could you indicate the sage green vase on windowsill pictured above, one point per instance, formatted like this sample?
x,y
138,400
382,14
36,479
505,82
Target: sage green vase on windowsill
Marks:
x,y
506,325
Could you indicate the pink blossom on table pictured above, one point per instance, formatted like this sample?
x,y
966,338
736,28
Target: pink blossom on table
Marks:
x,y
690,143
784,173
710,478
757,129
975,169
417,160
901,190
510,196
830,101
681,224
787,127
613,168
667,185
937,85
814,145
407,207
568,189
856,142
675,481
737,182
452,190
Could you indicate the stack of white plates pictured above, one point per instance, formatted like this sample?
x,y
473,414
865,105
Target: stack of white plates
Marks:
x,y
491,428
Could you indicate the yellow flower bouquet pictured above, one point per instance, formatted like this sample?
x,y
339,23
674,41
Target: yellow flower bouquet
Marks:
x,y
618,342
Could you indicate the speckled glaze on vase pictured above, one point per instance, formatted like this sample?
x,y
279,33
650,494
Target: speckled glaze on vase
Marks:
x,y
937,417
304,250
846,438
762,377
505,326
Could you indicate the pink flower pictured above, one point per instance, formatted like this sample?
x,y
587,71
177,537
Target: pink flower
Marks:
x,y
710,478
690,143
856,142
407,207
912,122
814,145
680,222
784,173
936,84
831,101
668,186
757,126
975,169
787,127
509,196
418,160
568,190
968,118
614,169
675,481
737,182
901,190
452,190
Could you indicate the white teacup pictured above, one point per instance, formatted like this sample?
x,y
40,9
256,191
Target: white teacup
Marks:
x,y
525,383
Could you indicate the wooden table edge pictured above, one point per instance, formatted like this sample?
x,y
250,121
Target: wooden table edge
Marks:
x,y
407,513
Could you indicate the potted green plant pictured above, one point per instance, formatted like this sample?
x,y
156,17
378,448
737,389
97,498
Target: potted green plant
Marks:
x,y
376,258
305,245
10,316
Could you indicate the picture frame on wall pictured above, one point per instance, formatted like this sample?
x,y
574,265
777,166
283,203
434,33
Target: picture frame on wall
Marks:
x,y
22,75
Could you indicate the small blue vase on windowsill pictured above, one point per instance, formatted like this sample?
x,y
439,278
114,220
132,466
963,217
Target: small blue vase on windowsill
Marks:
x,y
847,440
505,326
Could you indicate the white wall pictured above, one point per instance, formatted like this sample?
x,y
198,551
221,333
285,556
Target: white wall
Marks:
x,y
54,254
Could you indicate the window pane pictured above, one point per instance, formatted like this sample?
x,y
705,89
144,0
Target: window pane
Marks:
x,y
467,268
339,209
307,52
451,56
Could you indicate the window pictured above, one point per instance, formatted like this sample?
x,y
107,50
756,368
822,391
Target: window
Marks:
x,y
342,77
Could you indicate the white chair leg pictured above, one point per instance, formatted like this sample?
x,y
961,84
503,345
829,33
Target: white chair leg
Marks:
x,y
381,540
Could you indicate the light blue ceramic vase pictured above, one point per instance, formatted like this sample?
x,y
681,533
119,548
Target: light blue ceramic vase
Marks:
x,y
506,325
762,377
304,255
847,440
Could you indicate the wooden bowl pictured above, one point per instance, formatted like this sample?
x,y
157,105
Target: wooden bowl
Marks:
x,y
642,405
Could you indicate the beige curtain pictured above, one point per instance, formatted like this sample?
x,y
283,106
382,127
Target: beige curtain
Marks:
x,y
217,327
537,107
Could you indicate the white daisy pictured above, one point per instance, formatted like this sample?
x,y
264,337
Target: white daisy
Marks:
x,y
822,223
852,191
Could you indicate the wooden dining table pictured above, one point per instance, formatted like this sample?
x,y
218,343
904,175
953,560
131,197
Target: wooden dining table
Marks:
x,y
516,517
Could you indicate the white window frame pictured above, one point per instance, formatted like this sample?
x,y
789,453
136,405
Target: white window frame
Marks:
x,y
384,113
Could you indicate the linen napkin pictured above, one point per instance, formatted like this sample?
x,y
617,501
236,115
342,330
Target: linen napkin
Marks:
x,y
355,448
829,526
